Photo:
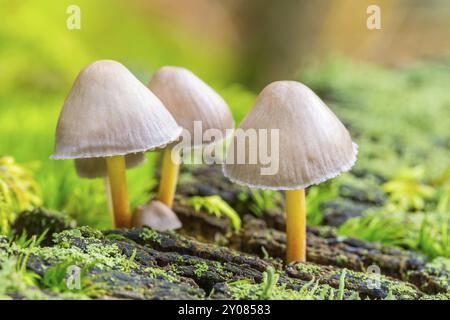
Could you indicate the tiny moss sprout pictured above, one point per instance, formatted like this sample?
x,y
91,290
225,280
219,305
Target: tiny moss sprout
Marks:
x,y
425,232
217,206
316,196
269,288
263,200
25,242
130,264
340,295
158,273
270,279
14,279
407,191
150,235
200,268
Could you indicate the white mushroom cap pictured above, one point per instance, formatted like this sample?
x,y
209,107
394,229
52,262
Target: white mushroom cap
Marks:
x,y
96,167
190,99
156,215
314,145
109,112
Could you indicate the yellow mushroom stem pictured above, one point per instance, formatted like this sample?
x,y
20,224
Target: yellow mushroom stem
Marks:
x,y
169,176
119,194
295,226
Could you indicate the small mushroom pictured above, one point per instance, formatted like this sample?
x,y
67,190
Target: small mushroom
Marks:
x,y
109,114
156,215
188,99
314,146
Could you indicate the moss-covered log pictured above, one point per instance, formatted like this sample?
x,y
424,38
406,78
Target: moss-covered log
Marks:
x,y
146,264
326,248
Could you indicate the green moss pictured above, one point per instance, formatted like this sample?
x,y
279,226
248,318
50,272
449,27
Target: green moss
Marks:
x,y
102,255
399,289
95,251
325,231
439,269
18,191
309,268
242,290
218,266
426,232
84,232
115,237
270,288
263,200
217,206
441,265
200,268
439,296
341,259
64,238
174,269
90,233
150,235
55,280
158,273
131,264
17,281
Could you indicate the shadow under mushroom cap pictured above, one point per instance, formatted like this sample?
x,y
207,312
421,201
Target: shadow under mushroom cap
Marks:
x,y
96,167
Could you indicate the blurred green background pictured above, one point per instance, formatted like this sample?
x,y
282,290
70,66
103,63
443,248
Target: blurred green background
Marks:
x,y
40,58
390,86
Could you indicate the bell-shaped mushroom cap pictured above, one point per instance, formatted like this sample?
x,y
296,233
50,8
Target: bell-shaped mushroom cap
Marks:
x,y
190,99
109,112
96,167
314,145
156,215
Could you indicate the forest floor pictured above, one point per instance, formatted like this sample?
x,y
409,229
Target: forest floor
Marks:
x,y
208,259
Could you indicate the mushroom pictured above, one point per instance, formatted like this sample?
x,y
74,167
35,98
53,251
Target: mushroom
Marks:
x,y
313,146
156,215
110,115
189,100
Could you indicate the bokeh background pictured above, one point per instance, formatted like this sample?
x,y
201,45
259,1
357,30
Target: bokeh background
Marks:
x,y
390,86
